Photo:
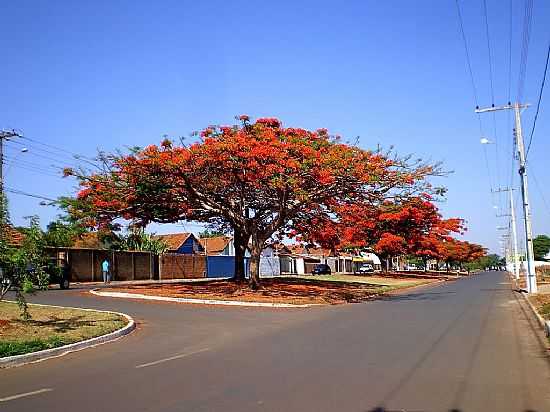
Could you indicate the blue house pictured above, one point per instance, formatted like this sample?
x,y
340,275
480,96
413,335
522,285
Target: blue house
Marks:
x,y
183,243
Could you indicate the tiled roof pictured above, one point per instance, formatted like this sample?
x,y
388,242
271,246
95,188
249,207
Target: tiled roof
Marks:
x,y
13,236
215,245
174,240
312,251
88,240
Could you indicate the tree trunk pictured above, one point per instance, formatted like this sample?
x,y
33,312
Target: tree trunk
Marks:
x,y
254,280
240,241
255,253
425,261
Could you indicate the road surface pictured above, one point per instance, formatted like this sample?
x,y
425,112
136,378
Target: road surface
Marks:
x,y
468,345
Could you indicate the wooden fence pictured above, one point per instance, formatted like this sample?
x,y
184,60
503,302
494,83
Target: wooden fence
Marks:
x,y
85,264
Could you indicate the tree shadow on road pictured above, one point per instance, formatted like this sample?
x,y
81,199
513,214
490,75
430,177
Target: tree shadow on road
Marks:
x,y
381,409
62,325
422,296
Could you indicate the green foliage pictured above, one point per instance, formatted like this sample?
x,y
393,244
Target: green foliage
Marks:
x,y
61,233
22,267
136,239
19,348
210,233
544,310
27,286
484,262
541,247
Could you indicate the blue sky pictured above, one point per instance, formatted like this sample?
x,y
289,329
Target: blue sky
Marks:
x,y
104,75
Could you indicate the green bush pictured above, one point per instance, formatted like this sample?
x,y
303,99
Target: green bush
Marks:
x,y
27,286
19,348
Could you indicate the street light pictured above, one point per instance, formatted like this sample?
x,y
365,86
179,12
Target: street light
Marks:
x,y
484,140
23,150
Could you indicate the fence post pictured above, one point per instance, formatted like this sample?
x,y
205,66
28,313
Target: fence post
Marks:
x,y
115,266
160,267
133,265
93,265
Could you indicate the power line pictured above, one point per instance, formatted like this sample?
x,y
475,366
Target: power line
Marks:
x,y
468,62
527,21
490,54
34,170
510,52
19,160
74,155
538,103
540,192
489,51
49,158
22,193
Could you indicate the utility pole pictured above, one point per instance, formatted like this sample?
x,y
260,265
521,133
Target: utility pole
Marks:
x,y
516,107
514,235
4,135
514,240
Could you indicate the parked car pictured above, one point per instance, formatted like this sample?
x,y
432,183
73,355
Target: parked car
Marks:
x,y
364,268
59,273
321,269
57,270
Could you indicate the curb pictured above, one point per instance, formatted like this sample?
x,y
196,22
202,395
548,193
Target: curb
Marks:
x,y
124,295
544,324
19,360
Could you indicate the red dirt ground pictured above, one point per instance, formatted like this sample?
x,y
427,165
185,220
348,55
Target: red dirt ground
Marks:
x,y
4,323
273,290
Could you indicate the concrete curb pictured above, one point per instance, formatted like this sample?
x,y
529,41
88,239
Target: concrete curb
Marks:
x,y
19,360
124,295
544,324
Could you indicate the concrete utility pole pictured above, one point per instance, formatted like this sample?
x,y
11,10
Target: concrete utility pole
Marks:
x,y
516,107
514,235
514,240
4,135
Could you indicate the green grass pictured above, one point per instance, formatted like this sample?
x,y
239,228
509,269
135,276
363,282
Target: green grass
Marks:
x,y
50,327
11,348
544,311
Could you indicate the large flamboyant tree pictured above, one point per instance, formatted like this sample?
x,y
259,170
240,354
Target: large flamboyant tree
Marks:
x,y
255,179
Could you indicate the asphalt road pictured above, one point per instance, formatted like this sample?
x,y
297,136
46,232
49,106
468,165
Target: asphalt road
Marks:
x,y
469,345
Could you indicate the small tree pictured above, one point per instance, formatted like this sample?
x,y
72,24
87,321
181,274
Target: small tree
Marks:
x,y
21,266
210,233
62,233
136,239
541,247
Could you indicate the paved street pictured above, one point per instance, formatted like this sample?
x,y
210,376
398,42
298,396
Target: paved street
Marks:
x,y
469,345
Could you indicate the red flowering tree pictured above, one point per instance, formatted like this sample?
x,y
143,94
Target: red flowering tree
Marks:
x,y
411,225
256,179
390,245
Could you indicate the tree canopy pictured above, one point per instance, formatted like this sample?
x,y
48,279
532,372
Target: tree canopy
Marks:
x,y
541,247
256,179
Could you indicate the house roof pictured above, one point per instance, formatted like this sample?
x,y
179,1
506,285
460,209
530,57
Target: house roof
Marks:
x,y
13,236
88,240
311,251
174,240
215,245
281,248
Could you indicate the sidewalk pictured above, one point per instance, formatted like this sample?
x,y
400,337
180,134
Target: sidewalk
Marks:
x,y
115,283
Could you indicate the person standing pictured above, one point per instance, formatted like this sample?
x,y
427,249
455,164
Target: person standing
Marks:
x,y
105,270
